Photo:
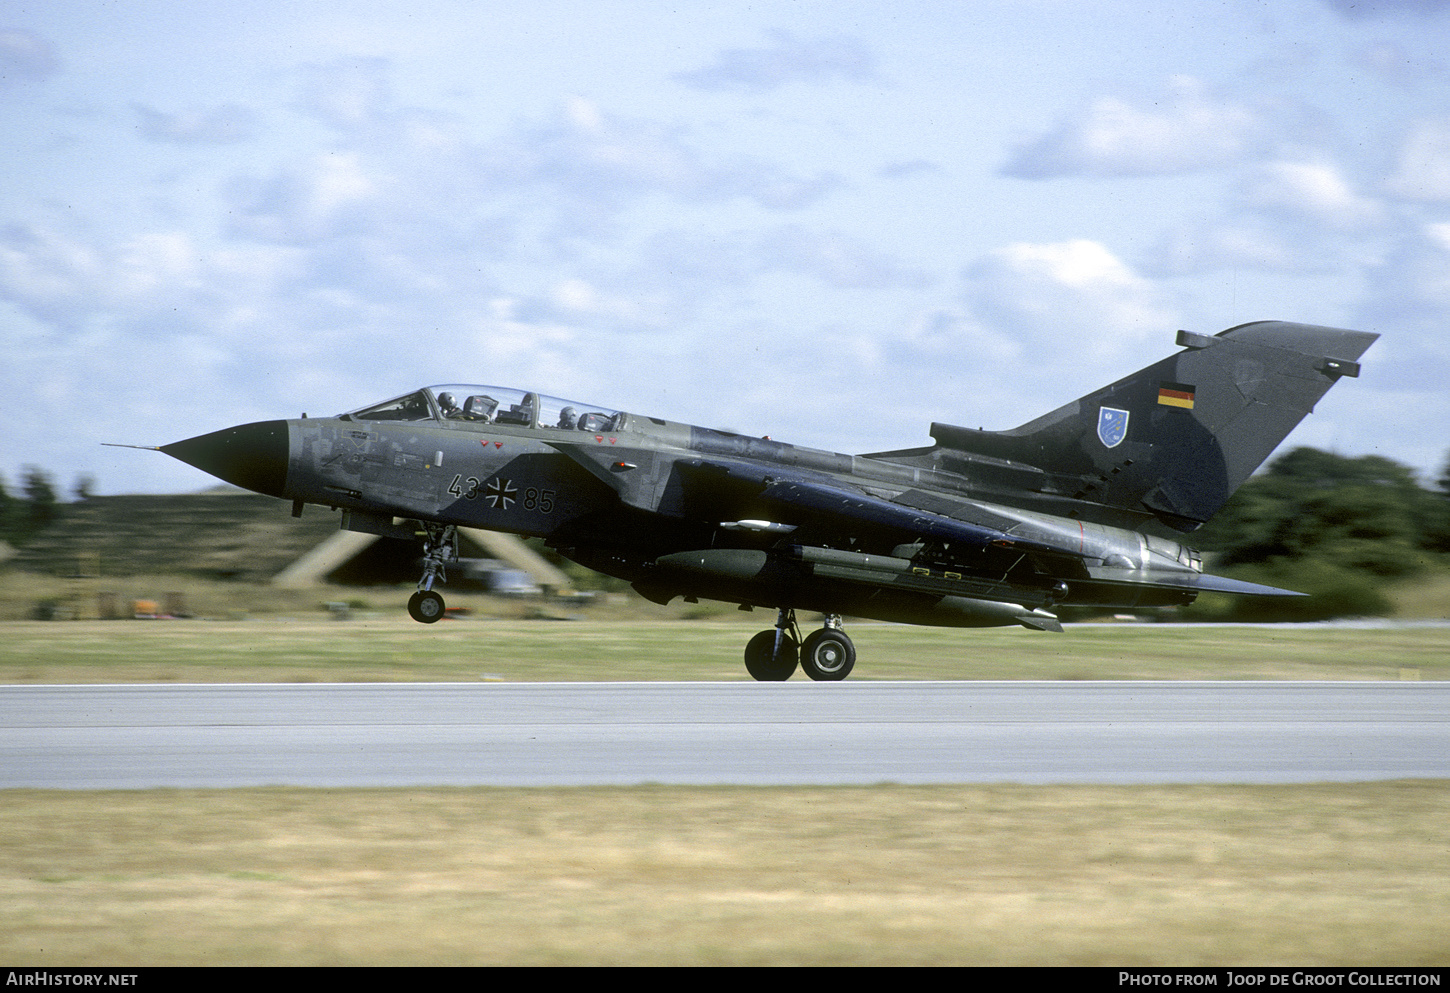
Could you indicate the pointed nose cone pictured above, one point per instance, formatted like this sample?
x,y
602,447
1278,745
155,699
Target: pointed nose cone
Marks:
x,y
252,456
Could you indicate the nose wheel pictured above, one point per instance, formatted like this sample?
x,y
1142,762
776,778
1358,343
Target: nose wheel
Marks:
x,y
826,655
440,546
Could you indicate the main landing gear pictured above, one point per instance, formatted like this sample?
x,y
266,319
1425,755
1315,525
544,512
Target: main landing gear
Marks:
x,y
825,655
440,546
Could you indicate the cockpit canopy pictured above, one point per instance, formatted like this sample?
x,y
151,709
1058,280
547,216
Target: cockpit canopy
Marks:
x,y
490,405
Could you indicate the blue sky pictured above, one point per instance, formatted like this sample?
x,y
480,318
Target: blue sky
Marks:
x,y
829,222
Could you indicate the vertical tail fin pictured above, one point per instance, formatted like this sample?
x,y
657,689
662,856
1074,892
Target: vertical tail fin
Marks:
x,y
1175,439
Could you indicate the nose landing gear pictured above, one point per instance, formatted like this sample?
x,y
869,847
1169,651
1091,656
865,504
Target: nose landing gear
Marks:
x,y
771,656
425,606
826,655
440,546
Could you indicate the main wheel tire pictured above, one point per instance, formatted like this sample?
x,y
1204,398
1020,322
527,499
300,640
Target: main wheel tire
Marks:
x,y
828,655
762,662
425,608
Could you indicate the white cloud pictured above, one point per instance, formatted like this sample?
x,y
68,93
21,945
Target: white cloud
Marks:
x,y
1398,65
834,258
1374,9
157,282
1311,191
600,162
685,273
403,234
348,94
1422,171
1408,301
309,202
679,276
25,58
1227,243
223,125
53,278
1111,137
1413,284
1286,217
1073,299
788,59
452,213
589,304
948,335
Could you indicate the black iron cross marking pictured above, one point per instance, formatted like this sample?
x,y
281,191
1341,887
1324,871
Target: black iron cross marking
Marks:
x,y
500,492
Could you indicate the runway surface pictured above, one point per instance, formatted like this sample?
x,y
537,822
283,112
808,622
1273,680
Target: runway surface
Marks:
x,y
562,734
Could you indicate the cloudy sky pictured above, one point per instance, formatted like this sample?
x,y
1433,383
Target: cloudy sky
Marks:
x,y
829,222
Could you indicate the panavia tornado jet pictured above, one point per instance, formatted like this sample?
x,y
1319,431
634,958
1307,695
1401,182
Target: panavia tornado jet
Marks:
x,y
981,528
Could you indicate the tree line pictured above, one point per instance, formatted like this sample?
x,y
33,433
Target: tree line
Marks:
x,y
36,505
1338,528
30,512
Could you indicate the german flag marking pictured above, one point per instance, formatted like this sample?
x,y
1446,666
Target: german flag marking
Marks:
x,y
1176,395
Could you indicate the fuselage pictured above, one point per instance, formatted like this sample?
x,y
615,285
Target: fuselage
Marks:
x,y
678,510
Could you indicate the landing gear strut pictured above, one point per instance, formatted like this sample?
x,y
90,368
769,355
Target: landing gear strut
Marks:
x,y
771,656
440,546
825,655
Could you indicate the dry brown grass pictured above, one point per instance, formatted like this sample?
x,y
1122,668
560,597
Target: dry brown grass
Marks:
x,y
1210,875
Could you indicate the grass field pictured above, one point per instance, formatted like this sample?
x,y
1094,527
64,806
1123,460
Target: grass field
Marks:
x,y
1340,874
389,648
